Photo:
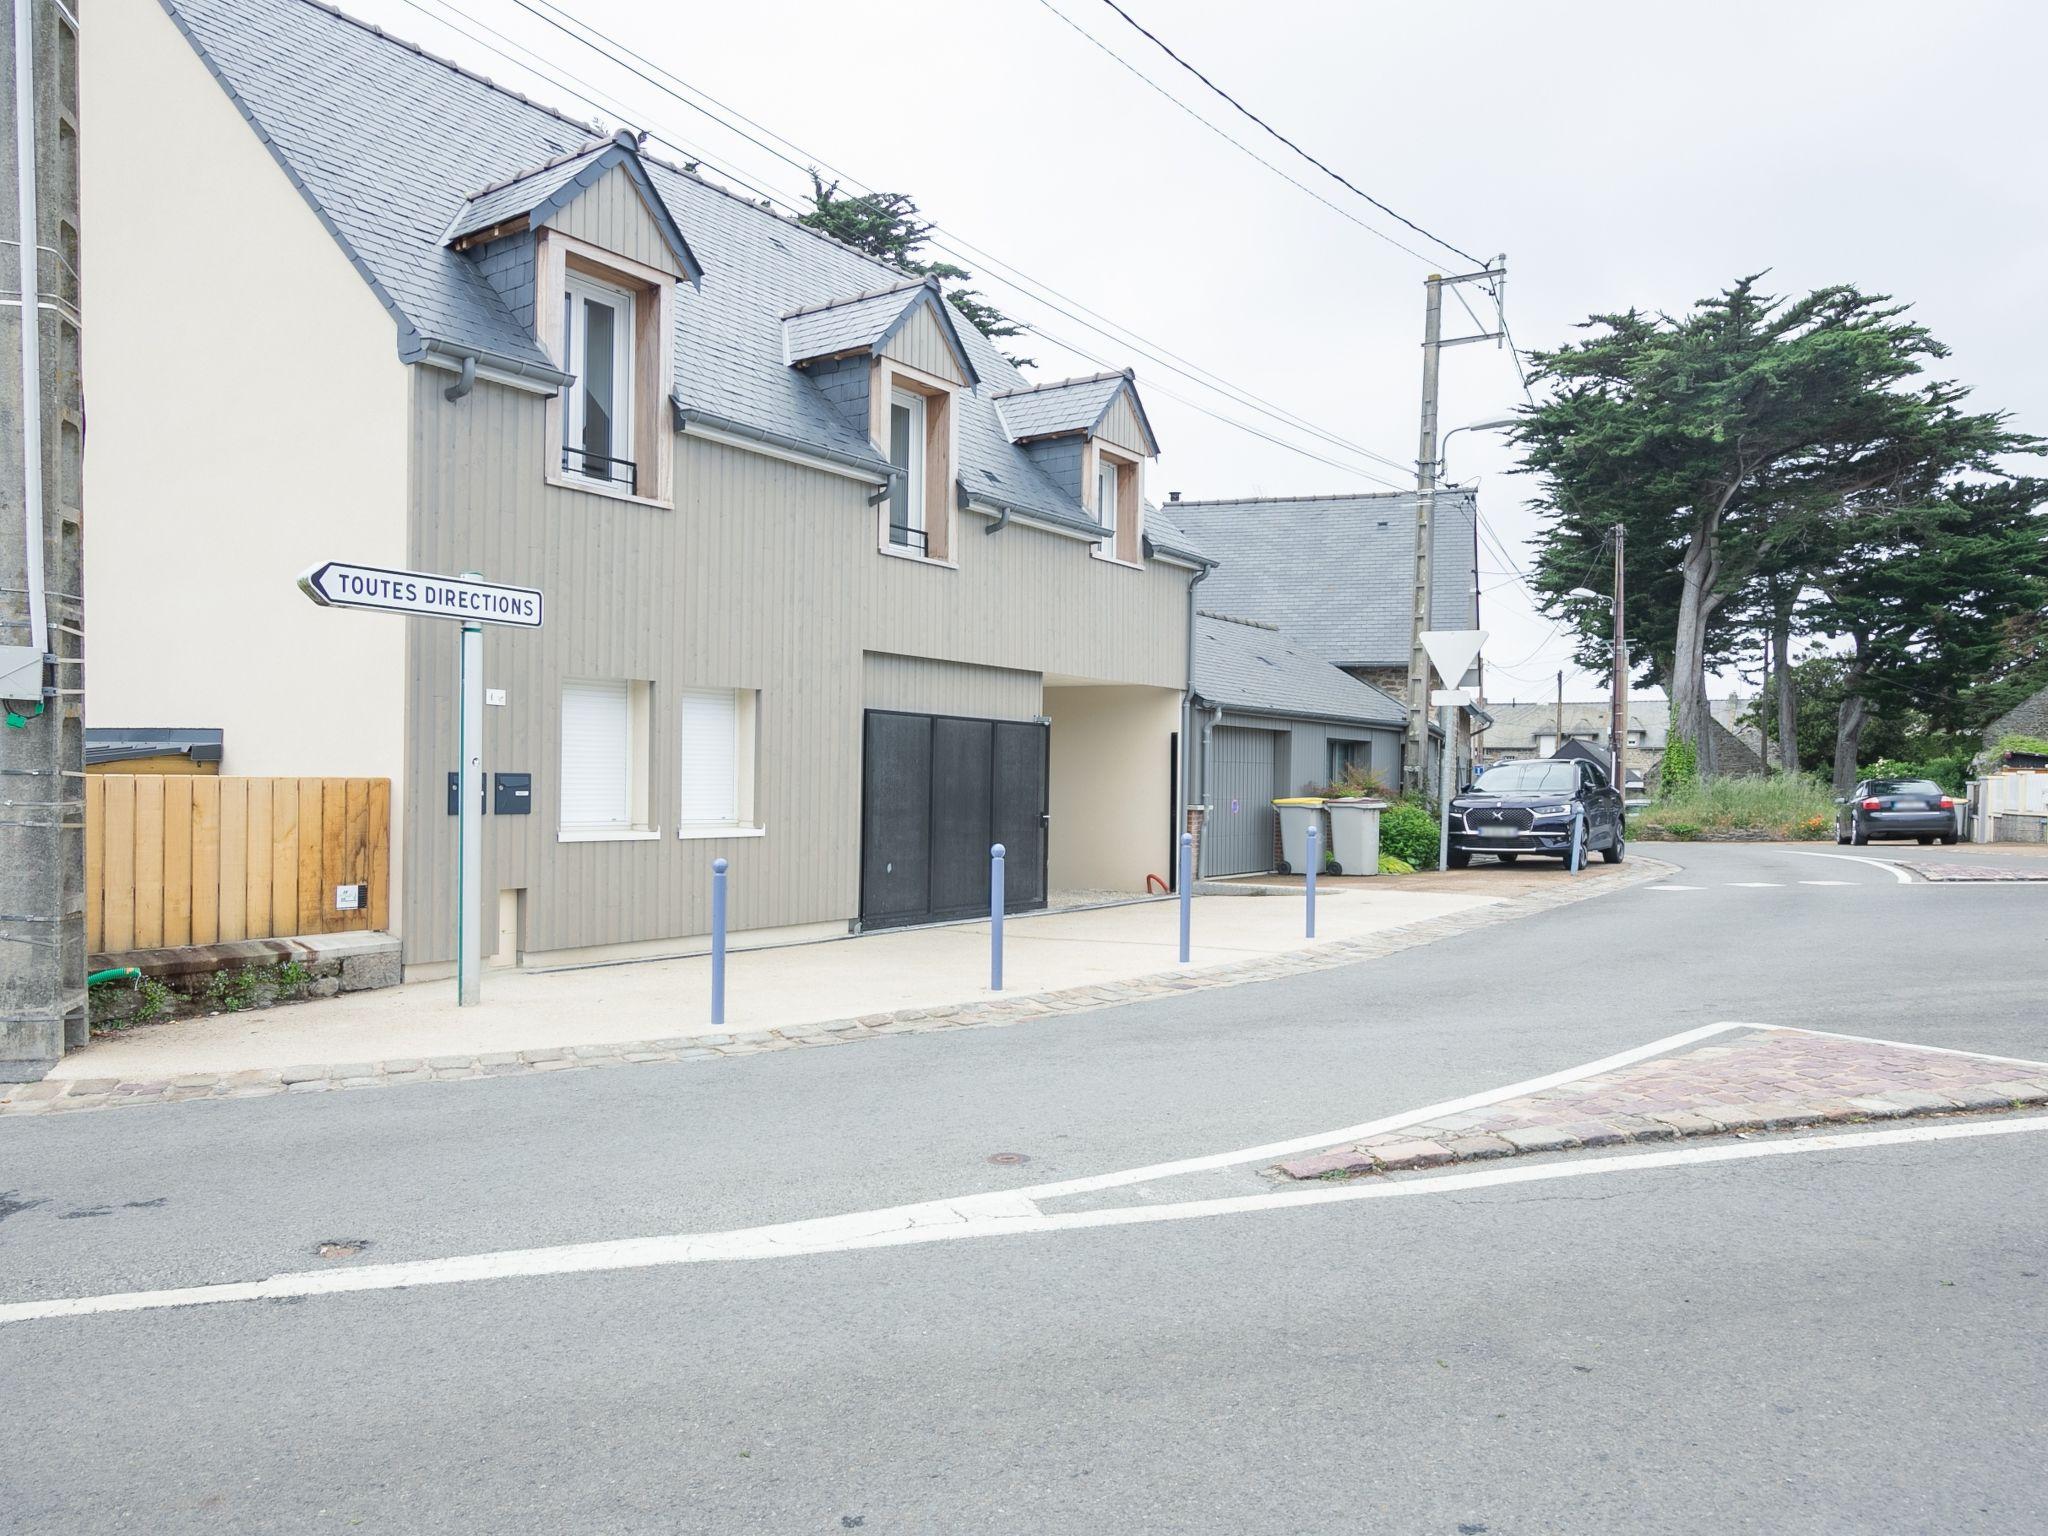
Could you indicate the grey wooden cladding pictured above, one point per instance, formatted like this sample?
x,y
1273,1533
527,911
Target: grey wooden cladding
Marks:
x,y
925,686
613,217
765,576
922,345
1120,427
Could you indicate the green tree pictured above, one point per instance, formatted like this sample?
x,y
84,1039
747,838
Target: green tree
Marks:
x,y
1925,593
886,225
1721,439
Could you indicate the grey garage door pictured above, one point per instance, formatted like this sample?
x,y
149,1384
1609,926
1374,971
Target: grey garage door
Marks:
x,y
1238,837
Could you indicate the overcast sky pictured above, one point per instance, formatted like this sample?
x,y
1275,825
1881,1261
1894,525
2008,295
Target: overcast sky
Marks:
x,y
1617,153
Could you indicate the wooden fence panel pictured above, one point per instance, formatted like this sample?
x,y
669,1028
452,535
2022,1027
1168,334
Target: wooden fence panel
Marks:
x,y
95,861
191,859
117,877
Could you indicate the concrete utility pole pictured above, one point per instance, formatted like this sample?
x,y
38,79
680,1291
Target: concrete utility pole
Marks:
x,y
1414,759
1559,742
1618,723
42,617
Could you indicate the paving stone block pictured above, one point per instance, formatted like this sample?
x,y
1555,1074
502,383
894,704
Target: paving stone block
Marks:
x,y
1323,1164
1474,1148
1538,1139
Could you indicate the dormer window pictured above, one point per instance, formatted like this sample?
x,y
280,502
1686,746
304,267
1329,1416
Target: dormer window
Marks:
x,y
1106,481
1119,502
588,243
597,331
907,506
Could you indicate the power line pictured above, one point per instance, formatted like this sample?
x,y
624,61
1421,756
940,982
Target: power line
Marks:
x,y
596,96
1234,142
1335,176
1022,282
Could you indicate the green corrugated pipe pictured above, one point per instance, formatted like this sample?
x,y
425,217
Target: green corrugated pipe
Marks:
x,y
118,973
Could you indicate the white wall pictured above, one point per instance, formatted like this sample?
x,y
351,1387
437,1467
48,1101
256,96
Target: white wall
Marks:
x,y
247,419
1111,790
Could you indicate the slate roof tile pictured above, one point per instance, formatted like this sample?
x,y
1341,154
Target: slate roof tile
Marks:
x,y
1249,666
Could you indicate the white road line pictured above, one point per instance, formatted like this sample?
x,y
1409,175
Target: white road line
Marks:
x,y
1757,885
1675,887
1278,1149
1827,882
938,1222
1893,870
1932,1050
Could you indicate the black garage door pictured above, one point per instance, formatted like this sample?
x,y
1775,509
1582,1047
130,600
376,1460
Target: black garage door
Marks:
x,y
936,791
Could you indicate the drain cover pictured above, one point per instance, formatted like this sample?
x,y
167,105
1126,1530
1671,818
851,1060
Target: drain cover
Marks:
x,y
1008,1157
341,1247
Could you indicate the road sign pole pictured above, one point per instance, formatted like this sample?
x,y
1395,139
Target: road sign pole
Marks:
x,y
1447,720
469,828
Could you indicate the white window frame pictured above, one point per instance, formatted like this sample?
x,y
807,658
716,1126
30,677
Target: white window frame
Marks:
x,y
576,288
745,753
636,827
1108,480
913,473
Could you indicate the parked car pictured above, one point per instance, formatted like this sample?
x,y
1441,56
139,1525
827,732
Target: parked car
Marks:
x,y
1915,808
1531,807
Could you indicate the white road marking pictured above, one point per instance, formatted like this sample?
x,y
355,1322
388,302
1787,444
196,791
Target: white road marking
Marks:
x,y
1001,1216
1827,882
1893,870
1932,1050
1675,887
1757,885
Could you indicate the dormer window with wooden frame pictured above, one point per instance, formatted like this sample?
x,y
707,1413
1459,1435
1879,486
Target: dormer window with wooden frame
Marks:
x,y
1091,438
893,362
606,259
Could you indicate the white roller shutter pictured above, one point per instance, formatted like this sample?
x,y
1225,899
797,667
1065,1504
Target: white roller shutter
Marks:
x,y
597,744
710,757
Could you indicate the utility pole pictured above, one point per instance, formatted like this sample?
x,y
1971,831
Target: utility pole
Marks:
x,y
42,619
1415,757
1618,723
1558,741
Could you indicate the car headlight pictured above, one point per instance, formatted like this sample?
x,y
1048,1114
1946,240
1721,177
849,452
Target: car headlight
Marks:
x,y
1543,811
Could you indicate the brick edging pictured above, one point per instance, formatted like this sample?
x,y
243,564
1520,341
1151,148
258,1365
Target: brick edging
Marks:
x,y
64,1095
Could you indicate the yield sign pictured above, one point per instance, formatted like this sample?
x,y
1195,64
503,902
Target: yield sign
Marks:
x,y
1452,652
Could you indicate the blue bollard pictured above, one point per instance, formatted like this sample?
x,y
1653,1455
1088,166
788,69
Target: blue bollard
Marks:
x,y
995,918
1310,881
1187,888
718,867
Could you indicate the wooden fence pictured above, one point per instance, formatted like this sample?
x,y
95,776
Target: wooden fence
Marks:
x,y
174,859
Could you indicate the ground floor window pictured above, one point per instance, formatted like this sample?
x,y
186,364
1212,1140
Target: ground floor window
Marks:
x,y
1347,756
717,760
604,758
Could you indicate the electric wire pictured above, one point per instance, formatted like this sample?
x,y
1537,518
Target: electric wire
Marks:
x,y
1335,176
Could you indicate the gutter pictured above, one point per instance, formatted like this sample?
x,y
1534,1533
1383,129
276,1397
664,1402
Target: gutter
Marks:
x,y
1077,527
521,373
689,419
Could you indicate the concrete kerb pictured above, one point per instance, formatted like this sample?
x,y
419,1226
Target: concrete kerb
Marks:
x,y
57,1096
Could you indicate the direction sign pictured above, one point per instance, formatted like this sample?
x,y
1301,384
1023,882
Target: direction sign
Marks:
x,y
1452,652
337,584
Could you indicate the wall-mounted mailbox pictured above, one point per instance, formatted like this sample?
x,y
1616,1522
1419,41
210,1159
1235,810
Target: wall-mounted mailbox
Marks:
x,y
483,793
514,794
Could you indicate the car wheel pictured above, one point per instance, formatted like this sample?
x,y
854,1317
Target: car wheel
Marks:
x,y
1841,837
1507,858
1950,839
1858,838
1617,853
1458,858
1924,841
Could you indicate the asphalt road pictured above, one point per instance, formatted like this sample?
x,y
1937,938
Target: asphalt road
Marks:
x,y
1847,1341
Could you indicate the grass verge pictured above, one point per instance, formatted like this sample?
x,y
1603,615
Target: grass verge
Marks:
x,y
1789,807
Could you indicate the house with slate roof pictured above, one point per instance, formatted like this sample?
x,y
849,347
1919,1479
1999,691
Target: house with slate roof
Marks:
x,y
1334,574
1271,720
832,591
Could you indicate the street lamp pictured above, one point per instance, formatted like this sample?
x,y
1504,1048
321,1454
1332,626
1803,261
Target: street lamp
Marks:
x,y
1497,424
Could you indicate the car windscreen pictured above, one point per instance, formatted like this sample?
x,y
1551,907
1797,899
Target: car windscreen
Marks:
x,y
1529,779
1927,787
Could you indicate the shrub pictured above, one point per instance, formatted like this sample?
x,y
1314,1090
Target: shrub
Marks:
x,y
1951,773
1354,782
1389,865
1408,831
1792,807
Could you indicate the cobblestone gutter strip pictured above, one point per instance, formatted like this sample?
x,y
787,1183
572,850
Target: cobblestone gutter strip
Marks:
x,y
67,1095
1769,1080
